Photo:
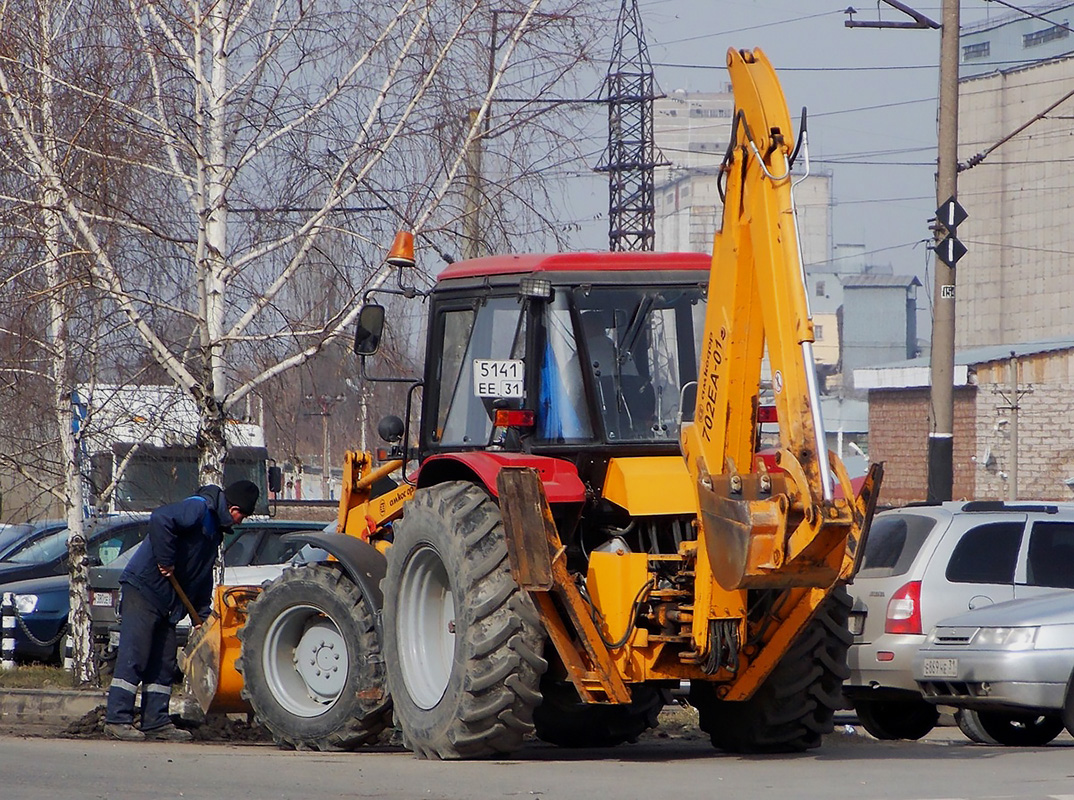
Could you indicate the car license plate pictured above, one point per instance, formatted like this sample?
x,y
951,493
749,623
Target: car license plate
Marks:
x,y
941,668
102,599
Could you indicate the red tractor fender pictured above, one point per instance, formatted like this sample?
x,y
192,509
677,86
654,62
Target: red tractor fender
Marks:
x,y
560,478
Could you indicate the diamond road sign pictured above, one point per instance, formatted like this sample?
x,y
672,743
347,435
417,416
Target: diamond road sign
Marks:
x,y
951,214
950,250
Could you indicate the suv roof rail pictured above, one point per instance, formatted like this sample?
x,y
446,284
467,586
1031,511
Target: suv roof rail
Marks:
x,y
1000,505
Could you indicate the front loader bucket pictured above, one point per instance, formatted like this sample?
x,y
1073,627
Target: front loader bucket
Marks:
x,y
209,658
201,662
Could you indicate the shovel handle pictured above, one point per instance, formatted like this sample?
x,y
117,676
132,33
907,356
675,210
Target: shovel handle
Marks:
x,y
186,601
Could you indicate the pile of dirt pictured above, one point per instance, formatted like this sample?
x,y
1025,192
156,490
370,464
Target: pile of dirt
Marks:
x,y
216,728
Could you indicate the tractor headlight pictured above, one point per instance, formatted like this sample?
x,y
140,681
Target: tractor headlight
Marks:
x,y
26,603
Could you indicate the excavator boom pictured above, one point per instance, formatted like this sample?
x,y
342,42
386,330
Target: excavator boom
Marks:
x,y
782,528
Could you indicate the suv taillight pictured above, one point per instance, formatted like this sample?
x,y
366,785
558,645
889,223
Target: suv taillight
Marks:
x,y
904,610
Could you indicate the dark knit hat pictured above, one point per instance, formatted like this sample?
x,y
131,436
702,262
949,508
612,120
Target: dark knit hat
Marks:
x,y
243,494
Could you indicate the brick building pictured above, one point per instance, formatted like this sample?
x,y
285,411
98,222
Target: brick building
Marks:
x,y
998,454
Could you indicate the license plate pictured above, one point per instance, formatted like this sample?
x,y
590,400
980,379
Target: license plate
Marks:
x,y
941,668
856,623
102,599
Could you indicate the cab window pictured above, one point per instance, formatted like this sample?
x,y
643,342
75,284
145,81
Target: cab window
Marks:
x,y
495,331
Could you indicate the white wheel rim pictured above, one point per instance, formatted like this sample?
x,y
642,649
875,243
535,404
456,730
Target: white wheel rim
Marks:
x,y
305,661
425,627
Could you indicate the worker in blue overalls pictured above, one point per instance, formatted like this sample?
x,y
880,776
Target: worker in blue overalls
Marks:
x,y
183,542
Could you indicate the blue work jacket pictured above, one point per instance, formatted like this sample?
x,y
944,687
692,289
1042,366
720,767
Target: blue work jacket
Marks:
x,y
185,535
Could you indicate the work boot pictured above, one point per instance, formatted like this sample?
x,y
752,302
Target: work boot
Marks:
x,y
123,731
169,733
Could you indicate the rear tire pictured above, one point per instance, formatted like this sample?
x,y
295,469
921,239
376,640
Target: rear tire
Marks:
x,y
897,719
311,662
795,706
1020,730
564,720
465,643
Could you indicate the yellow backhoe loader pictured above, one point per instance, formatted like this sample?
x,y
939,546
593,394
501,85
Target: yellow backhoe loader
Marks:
x,y
587,523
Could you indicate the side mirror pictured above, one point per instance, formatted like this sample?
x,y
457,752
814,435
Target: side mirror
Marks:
x,y
275,479
370,328
390,428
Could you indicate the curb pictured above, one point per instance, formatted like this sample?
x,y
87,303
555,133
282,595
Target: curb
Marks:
x,y
36,710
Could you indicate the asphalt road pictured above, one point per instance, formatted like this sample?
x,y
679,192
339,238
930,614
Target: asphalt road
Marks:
x,y
944,766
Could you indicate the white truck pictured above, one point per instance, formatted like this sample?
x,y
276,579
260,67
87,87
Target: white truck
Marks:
x,y
139,448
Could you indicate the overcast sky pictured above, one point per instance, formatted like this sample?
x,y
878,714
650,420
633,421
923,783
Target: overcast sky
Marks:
x,y
871,96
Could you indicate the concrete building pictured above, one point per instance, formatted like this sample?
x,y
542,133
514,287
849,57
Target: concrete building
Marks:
x,y
1016,39
871,338
994,449
1014,284
692,130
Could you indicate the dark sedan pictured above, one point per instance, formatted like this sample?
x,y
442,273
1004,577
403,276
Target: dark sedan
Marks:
x,y
36,572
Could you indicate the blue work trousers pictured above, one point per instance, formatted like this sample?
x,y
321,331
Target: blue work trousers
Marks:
x,y
147,656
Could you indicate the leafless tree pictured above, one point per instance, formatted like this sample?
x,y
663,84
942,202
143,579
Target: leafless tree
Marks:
x,y
225,175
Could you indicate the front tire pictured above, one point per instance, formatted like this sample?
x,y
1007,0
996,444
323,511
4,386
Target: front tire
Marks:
x,y
795,706
311,661
464,641
897,719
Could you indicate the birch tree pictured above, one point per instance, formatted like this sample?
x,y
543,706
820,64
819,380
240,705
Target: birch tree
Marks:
x,y
190,165
261,131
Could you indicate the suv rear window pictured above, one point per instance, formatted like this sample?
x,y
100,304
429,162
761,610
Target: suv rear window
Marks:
x,y
893,544
1051,555
986,554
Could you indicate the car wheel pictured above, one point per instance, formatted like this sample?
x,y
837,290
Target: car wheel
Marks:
x,y
897,719
970,724
1020,730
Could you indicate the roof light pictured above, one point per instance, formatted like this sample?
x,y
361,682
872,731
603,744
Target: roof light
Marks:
x,y
402,252
538,288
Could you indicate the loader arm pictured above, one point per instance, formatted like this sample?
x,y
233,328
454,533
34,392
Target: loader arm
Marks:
x,y
761,529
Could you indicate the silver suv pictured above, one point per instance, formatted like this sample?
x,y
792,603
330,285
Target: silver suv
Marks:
x,y
924,563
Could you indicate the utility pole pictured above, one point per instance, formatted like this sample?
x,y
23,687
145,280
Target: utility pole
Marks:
x,y
940,484
325,403
1013,396
942,354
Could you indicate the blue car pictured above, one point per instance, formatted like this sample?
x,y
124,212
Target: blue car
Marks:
x,y
37,571
42,605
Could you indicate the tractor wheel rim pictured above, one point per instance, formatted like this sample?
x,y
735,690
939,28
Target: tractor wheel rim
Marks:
x,y
305,660
426,627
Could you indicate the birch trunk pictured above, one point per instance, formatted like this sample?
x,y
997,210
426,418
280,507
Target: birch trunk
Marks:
x,y
84,664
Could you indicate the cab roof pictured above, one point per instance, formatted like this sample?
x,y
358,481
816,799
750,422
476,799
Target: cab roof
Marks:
x,y
576,262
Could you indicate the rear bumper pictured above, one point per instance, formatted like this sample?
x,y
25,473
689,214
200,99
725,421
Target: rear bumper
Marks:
x,y
997,679
868,673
